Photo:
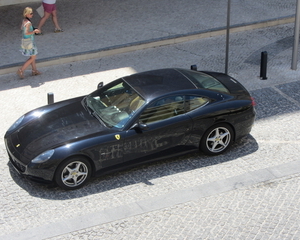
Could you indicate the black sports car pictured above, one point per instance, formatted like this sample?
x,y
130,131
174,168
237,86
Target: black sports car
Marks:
x,y
142,117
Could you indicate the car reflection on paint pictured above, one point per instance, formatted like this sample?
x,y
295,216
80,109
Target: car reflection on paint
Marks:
x,y
138,118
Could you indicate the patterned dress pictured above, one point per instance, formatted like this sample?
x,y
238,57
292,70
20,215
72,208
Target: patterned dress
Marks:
x,y
33,50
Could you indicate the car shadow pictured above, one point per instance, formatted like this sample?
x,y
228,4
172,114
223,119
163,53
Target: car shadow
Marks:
x,y
141,174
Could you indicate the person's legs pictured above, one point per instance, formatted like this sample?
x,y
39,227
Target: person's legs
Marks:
x,y
54,19
30,61
43,20
33,66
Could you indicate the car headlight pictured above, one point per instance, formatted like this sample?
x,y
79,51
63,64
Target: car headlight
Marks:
x,y
16,124
43,157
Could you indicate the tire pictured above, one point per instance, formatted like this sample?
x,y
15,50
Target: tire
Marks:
x,y
217,139
73,173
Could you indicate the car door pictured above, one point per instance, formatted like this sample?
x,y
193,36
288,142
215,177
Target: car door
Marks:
x,y
167,132
110,151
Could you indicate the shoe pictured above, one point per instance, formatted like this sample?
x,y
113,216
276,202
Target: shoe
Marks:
x,y
20,73
40,33
56,30
36,72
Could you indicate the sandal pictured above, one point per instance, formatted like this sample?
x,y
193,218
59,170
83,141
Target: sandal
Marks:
x,y
40,33
57,30
36,72
20,73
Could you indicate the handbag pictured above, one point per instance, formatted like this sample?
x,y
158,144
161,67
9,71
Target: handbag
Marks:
x,y
40,11
27,43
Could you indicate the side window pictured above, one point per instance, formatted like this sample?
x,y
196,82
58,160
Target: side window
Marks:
x,y
163,109
193,102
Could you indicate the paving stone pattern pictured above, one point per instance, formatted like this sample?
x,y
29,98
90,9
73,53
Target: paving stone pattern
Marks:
x,y
268,210
263,211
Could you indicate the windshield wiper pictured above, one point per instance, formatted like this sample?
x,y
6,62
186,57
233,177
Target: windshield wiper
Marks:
x,y
91,111
95,115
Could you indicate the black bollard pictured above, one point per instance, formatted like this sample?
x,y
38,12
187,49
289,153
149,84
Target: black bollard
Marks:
x,y
194,67
263,65
50,98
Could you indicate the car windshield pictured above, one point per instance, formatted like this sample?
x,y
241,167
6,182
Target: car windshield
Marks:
x,y
114,104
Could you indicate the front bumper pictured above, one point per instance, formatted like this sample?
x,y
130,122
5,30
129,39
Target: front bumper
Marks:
x,y
32,171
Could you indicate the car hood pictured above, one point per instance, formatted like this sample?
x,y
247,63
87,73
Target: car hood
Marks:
x,y
63,124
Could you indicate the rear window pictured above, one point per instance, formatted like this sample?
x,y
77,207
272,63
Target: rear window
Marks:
x,y
194,102
202,80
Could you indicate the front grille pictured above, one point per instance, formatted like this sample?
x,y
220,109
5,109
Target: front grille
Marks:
x,y
10,150
17,165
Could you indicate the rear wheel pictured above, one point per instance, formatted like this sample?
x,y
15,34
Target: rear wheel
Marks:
x,y
217,139
73,173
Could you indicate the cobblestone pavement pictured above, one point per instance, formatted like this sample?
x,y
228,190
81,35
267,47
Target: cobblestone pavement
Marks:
x,y
263,210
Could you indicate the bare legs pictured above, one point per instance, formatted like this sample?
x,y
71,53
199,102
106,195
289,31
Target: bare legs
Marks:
x,y
30,61
54,20
43,20
46,16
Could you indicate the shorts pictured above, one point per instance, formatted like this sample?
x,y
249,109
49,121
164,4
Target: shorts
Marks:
x,y
49,8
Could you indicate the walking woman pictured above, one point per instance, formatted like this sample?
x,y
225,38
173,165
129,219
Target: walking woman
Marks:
x,y
28,47
49,10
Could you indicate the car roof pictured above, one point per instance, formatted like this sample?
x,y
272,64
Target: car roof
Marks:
x,y
152,84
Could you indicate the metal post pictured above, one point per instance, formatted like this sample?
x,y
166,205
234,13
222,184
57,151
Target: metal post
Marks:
x,y
227,37
50,98
263,65
296,36
194,67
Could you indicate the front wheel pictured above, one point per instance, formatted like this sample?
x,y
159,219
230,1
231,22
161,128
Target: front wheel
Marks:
x,y
217,139
73,173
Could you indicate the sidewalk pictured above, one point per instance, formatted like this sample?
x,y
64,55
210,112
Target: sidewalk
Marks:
x,y
13,2
97,28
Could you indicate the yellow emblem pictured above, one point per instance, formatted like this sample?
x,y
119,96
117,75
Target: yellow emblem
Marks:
x,y
117,136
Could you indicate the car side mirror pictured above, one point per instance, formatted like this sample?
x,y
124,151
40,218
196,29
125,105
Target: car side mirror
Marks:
x,y
140,126
100,85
